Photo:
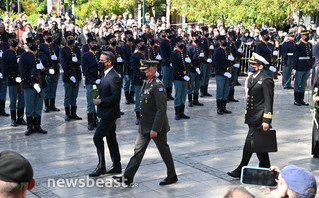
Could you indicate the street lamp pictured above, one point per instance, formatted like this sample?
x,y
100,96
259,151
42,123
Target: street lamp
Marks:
x,y
143,12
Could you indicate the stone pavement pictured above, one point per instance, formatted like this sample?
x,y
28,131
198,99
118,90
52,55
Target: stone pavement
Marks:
x,y
204,148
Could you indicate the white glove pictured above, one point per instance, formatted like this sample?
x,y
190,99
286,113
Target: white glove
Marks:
x,y
171,64
211,47
51,71
188,60
73,79
54,57
157,74
310,71
1,52
230,57
201,55
275,53
136,50
227,74
120,75
293,71
272,68
74,59
18,80
158,57
186,78
209,60
18,60
198,71
174,48
119,60
1,76
37,87
240,50
98,81
237,65
39,66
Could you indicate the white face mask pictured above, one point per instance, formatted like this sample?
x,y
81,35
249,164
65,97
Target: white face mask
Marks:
x,y
246,34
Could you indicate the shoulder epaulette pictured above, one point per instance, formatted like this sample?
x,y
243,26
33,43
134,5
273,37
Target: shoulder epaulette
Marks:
x,y
298,43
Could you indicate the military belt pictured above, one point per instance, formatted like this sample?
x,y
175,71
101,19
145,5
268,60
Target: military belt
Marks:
x,y
290,54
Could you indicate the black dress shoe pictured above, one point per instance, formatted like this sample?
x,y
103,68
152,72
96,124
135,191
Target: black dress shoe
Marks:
x,y
168,181
315,156
98,172
126,181
114,170
234,174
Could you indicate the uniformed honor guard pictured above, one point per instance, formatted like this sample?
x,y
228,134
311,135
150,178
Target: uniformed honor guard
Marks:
x,y
11,69
33,67
138,75
259,110
117,51
207,48
266,50
222,58
70,57
92,72
52,51
153,125
3,81
302,64
153,53
181,78
287,55
86,47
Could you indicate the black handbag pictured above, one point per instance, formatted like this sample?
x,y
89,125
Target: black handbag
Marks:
x,y
264,141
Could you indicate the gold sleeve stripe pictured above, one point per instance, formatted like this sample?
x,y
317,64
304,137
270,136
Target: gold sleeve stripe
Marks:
x,y
268,115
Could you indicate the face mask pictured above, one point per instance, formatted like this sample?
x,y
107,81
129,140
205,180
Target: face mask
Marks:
x,y
33,47
49,39
196,41
224,44
113,43
14,43
181,46
169,36
267,38
130,39
152,42
70,42
246,34
300,23
86,32
164,36
142,47
252,69
94,48
206,35
307,38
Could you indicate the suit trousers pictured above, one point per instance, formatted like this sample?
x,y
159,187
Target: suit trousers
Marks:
x,y
139,151
106,128
263,157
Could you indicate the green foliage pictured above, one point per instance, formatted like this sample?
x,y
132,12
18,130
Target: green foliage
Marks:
x,y
33,19
29,6
42,7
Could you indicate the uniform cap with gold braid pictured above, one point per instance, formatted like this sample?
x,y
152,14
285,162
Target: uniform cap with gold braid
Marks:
x,y
31,39
148,63
256,58
304,32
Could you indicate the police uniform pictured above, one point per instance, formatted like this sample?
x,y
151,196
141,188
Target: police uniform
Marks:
x,y
70,57
11,69
128,51
33,67
287,55
259,110
302,63
52,51
206,48
265,49
3,81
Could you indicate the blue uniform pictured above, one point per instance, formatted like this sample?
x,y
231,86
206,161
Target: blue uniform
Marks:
x,y
234,46
86,48
128,51
193,52
206,42
266,50
287,56
118,66
3,82
221,66
166,48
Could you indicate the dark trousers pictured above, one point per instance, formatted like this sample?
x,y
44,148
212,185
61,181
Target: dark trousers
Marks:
x,y
263,157
139,151
106,128
315,136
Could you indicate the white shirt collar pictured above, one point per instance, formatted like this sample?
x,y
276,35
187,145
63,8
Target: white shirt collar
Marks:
x,y
107,71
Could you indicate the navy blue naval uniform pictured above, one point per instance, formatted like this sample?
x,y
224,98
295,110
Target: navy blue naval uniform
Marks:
x,y
3,82
287,56
129,91
166,48
266,50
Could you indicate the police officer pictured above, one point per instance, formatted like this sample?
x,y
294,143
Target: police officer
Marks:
x,y
181,78
92,72
33,67
138,75
11,69
301,64
70,57
287,55
207,48
3,81
52,51
221,64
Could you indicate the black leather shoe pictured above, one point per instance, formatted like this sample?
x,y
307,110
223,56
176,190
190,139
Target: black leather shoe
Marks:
x,y
234,174
114,170
120,179
98,172
315,156
167,181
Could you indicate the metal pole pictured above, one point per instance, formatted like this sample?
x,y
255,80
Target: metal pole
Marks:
x,y
7,4
19,7
143,12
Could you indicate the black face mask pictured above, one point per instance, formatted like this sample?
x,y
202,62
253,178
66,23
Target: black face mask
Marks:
x,y
94,48
49,39
181,46
224,44
70,42
267,38
142,47
152,42
307,38
14,43
33,47
113,43
196,41
169,36
130,39
164,36
206,35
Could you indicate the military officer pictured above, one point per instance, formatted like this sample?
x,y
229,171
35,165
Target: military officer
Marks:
x,y
70,57
287,55
153,125
301,64
207,47
11,69
52,51
181,78
221,64
92,72
4,46
259,110
33,67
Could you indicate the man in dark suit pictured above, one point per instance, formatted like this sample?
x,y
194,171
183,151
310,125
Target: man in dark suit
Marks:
x,y
259,110
108,109
153,125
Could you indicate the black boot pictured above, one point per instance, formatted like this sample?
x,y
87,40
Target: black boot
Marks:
x,y
37,126
29,126
67,114
297,99
169,93
177,113
20,119
202,92
219,107
206,91
13,114
224,107
73,113
137,122
46,105
127,98
52,105
190,100
90,121
181,112
301,98
95,120
231,96
2,108
132,97
196,101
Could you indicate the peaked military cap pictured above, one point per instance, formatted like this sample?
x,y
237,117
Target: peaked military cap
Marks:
x,y
256,58
148,63
68,33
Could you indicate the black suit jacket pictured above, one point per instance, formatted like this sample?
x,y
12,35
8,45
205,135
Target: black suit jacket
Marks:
x,y
110,95
260,99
